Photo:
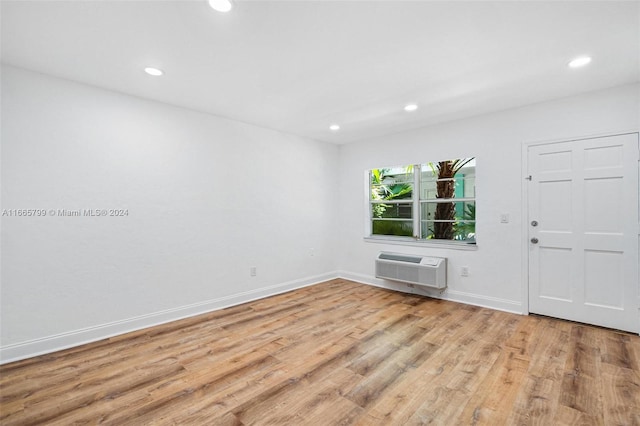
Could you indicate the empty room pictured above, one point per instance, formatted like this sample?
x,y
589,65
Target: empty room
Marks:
x,y
257,212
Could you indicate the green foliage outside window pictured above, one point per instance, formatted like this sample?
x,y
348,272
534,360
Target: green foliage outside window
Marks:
x,y
392,218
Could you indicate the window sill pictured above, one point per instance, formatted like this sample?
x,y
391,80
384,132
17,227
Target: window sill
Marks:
x,y
408,241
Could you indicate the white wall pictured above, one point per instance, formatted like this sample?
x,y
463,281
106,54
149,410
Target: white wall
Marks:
x,y
496,268
207,198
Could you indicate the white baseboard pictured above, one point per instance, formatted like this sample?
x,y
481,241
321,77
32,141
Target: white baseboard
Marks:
x,y
31,348
48,344
446,294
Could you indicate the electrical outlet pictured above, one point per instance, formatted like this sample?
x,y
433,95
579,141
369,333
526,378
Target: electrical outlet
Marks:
x,y
504,218
464,271
312,252
253,271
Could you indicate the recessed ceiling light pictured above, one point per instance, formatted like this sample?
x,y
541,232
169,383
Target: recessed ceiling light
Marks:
x,y
221,5
153,71
334,127
411,107
580,62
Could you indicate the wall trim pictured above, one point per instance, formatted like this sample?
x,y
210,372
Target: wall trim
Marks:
x,y
512,306
57,342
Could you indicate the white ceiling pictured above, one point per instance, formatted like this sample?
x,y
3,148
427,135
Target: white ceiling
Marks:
x,y
298,66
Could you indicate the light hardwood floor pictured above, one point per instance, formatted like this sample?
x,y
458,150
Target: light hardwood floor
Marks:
x,y
337,353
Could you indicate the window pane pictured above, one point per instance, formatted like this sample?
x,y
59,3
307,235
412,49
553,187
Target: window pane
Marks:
x,y
461,230
393,227
448,220
392,210
393,183
450,211
461,185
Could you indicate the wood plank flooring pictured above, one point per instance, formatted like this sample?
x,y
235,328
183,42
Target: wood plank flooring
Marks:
x,y
337,353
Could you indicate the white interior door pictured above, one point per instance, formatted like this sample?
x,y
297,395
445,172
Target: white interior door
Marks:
x,y
583,231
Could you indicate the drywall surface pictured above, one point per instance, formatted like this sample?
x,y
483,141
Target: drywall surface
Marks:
x,y
498,267
206,199
192,202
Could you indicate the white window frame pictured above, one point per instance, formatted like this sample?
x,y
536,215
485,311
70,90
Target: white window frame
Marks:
x,y
417,203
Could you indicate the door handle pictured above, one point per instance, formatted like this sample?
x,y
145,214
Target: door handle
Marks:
x,y
534,240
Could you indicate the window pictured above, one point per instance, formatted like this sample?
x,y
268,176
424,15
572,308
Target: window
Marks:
x,y
429,201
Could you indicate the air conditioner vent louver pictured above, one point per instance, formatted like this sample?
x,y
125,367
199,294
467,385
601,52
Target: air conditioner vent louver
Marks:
x,y
420,270
400,257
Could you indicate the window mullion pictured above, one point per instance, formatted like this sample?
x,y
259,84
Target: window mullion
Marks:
x,y
417,223
369,201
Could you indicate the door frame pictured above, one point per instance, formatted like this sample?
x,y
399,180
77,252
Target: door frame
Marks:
x,y
525,207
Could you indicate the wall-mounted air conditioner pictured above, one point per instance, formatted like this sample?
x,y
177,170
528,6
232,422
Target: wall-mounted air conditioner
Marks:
x,y
420,270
